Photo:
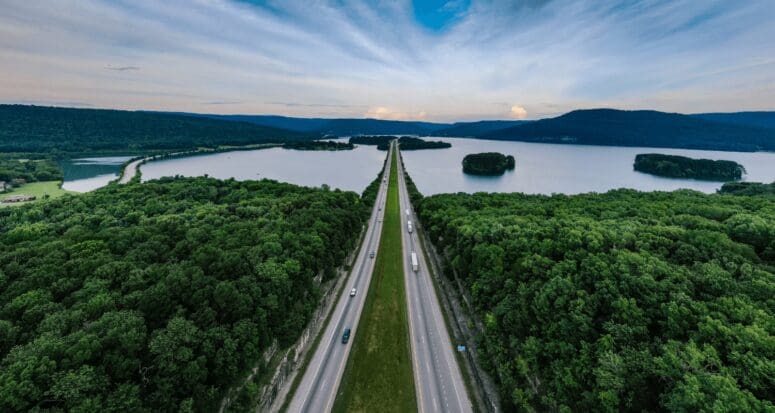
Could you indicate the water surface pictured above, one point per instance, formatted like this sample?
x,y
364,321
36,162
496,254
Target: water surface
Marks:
x,y
88,174
568,169
351,170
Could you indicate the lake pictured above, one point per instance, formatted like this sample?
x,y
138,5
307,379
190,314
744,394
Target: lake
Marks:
x,y
568,169
540,168
347,170
88,174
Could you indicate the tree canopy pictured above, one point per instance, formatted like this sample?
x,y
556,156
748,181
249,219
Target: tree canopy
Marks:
x,y
624,301
49,129
29,167
747,188
159,296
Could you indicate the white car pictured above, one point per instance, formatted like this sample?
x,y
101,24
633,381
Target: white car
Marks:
x,y
352,292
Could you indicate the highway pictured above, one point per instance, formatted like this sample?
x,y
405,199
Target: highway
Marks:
x,y
438,380
317,390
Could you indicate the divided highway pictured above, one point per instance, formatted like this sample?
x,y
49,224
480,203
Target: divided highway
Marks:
x,y
317,390
438,380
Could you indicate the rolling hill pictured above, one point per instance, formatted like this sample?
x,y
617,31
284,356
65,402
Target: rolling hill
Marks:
x,y
757,119
640,128
340,127
473,129
45,129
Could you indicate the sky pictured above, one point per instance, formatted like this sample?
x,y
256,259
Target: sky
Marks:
x,y
445,61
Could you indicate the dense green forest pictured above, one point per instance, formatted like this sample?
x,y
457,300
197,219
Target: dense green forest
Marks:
x,y
29,167
49,129
408,143
624,301
674,166
157,297
487,163
319,146
747,188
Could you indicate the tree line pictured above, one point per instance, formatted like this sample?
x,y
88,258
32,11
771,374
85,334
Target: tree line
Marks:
x,y
747,188
407,143
28,167
158,297
624,301
319,146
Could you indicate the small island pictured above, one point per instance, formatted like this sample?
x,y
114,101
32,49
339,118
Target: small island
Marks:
x,y
319,146
674,166
487,163
408,143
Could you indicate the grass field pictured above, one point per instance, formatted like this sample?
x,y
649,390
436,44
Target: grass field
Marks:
x,y
378,376
38,189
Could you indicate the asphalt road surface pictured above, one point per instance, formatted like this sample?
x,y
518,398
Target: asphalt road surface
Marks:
x,y
317,390
438,381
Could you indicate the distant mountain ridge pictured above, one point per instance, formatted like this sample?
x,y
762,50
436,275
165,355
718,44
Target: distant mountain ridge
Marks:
x,y
482,127
37,128
44,129
645,128
758,119
369,126
341,126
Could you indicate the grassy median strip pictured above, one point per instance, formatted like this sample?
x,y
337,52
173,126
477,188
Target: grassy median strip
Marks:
x,y
378,376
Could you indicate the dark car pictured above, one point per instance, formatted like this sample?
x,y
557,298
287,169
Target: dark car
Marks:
x,y
346,336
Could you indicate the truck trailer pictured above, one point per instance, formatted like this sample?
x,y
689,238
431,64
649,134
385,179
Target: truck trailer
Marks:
x,y
415,263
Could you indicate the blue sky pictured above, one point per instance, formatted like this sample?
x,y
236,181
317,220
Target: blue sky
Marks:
x,y
424,60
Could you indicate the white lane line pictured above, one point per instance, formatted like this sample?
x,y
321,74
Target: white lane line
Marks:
x,y
341,306
435,312
412,332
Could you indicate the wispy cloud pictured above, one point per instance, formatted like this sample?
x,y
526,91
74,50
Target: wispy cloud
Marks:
x,y
121,68
223,102
358,58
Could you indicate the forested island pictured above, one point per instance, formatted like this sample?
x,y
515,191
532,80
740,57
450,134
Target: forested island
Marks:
x,y
319,146
625,301
487,163
674,166
408,143
159,296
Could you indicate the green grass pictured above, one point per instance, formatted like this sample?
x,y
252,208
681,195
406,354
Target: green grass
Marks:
x,y
378,376
38,189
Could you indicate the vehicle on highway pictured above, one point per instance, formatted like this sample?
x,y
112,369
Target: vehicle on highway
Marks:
x,y
407,211
352,292
409,226
371,255
346,336
415,263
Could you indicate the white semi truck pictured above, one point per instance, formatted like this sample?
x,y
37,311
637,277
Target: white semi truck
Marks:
x,y
415,263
